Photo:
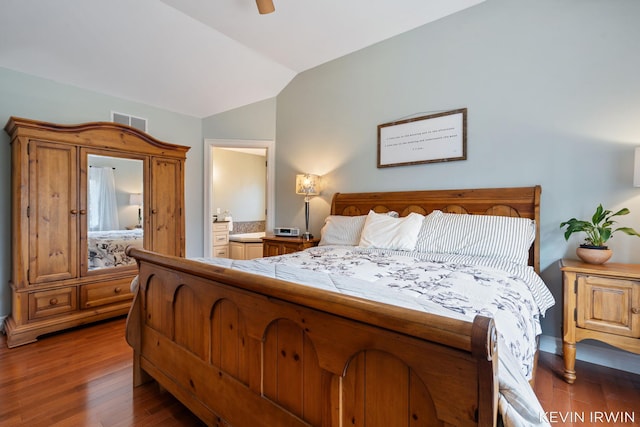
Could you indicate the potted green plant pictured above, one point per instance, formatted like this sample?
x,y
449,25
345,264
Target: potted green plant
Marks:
x,y
598,231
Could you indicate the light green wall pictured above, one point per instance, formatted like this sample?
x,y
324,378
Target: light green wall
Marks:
x,y
256,121
553,98
26,96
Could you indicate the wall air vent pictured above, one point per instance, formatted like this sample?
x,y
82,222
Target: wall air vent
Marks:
x,y
129,120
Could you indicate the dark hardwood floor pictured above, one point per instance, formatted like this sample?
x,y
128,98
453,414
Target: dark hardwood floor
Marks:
x,y
598,396
82,377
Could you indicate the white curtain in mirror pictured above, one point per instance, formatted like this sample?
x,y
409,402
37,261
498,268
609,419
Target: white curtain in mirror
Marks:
x,y
103,207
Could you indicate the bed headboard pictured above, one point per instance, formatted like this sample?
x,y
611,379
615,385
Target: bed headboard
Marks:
x,y
523,202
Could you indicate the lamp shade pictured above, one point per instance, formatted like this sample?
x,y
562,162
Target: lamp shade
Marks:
x,y
307,184
135,199
636,169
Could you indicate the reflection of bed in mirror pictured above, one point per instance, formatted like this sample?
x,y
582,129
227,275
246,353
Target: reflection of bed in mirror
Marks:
x,y
107,248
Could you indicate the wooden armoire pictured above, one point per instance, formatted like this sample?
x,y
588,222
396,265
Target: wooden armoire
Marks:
x,y
54,285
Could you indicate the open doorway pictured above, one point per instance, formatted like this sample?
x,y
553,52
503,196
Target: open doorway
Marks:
x,y
211,205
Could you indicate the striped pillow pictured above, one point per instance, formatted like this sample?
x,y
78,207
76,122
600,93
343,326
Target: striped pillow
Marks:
x,y
342,230
500,237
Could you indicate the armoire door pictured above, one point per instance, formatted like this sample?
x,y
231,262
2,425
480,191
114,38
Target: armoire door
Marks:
x,y
167,225
53,212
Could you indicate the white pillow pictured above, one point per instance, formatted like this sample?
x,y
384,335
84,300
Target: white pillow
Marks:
x,y
507,238
342,230
386,232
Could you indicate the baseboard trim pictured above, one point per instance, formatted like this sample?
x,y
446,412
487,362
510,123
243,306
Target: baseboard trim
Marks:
x,y
2,324
609,357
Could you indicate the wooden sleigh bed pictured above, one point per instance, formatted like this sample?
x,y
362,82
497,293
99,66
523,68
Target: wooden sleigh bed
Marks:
x,y
239,349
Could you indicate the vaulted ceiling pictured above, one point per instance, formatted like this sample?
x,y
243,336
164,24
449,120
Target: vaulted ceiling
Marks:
x,y
196,57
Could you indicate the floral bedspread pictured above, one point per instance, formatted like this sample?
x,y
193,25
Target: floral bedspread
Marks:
x,y
436,285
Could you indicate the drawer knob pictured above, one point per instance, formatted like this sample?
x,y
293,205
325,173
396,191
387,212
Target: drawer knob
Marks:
x,y
117,290
53,301
635,310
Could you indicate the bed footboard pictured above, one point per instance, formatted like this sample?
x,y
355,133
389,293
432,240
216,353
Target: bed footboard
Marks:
x,y
246,350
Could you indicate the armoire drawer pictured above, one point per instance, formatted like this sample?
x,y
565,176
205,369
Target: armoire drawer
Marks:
x,y
52,302
99,294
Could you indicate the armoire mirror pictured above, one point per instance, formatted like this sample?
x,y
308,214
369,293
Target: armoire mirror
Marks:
x,y
114,210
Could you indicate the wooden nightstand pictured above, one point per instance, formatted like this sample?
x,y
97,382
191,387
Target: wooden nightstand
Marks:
x,y
601,302
274,245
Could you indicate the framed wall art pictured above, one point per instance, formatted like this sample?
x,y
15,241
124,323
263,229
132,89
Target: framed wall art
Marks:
x,y
439,137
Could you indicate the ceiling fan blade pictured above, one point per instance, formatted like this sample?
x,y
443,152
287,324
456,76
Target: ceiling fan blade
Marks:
x,y
265,6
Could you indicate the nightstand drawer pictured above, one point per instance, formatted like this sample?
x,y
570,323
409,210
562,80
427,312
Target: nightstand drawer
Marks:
x,y
276,245
50,303
609,305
